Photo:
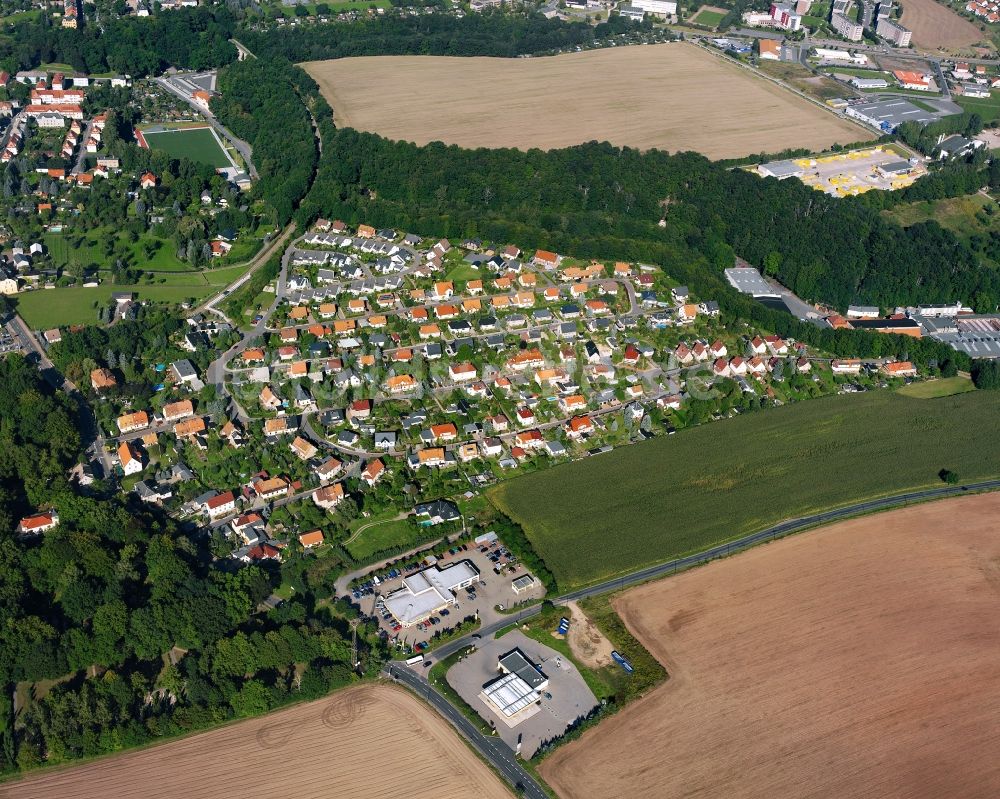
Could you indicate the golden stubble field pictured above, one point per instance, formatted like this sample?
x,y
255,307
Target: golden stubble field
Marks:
x,y
668,96
935,25
860,660
372,741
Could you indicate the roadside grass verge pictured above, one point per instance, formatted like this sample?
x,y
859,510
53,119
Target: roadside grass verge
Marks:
x,y
609,515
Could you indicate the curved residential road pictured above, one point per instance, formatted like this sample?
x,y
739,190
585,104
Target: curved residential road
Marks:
x,y
496,752
254,264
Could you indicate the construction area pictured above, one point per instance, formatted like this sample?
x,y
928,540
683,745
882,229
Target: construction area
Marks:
x,y
850,173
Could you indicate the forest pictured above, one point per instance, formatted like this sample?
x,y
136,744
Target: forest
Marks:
x,y
264,101
191,38
116,587
492,33
606,202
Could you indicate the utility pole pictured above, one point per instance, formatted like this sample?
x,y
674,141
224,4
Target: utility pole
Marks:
x,y
355,662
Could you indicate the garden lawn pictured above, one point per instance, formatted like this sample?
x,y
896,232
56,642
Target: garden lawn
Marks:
x,y
382,535
647,503
47,308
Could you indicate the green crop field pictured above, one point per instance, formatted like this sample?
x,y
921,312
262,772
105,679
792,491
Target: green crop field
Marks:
x,y
196,144
647,503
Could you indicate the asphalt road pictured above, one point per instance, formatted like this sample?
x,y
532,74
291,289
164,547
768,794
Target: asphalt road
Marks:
x,y
723,550
496,752
242,147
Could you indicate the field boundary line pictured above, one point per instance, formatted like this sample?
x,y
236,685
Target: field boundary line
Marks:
x,y
783,85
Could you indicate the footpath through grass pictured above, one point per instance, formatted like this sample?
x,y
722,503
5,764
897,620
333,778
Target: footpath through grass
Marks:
x,y
646,503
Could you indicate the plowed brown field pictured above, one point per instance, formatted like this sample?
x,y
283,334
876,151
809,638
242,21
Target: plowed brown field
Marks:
x,y
369,741
668,96
935,25
861,660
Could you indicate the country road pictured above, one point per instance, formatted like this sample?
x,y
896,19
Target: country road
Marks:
x,y
493,749
256,263
499,754
723,550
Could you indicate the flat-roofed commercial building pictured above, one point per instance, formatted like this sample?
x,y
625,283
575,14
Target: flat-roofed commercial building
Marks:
x,y
429,591
515,696
748,280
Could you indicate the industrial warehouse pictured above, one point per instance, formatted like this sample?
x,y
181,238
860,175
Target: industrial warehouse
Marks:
x,y
850,173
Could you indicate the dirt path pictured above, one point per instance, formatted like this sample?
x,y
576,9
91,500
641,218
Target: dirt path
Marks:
x,y
586,641
859,660
373,740
364,527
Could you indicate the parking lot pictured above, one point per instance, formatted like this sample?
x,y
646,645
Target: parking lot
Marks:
x,y
566,698
8,343
856,172
489,597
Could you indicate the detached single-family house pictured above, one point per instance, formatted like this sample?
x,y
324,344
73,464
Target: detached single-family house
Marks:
x,y
131,459
221,504
38,523
328,497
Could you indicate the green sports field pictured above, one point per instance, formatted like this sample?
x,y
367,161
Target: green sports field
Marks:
x,y
708,18
613,513
196,144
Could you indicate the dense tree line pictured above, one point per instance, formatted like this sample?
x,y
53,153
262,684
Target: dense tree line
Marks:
x,y
600,197
193,38
263,100
925,137
986,374
97,602
493,33
606,202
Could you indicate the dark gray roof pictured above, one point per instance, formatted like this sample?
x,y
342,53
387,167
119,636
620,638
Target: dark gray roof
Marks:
x,y
516,662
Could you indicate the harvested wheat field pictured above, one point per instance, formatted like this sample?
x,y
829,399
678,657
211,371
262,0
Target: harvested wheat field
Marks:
x,y
669,96
860,660
371,741
935,25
